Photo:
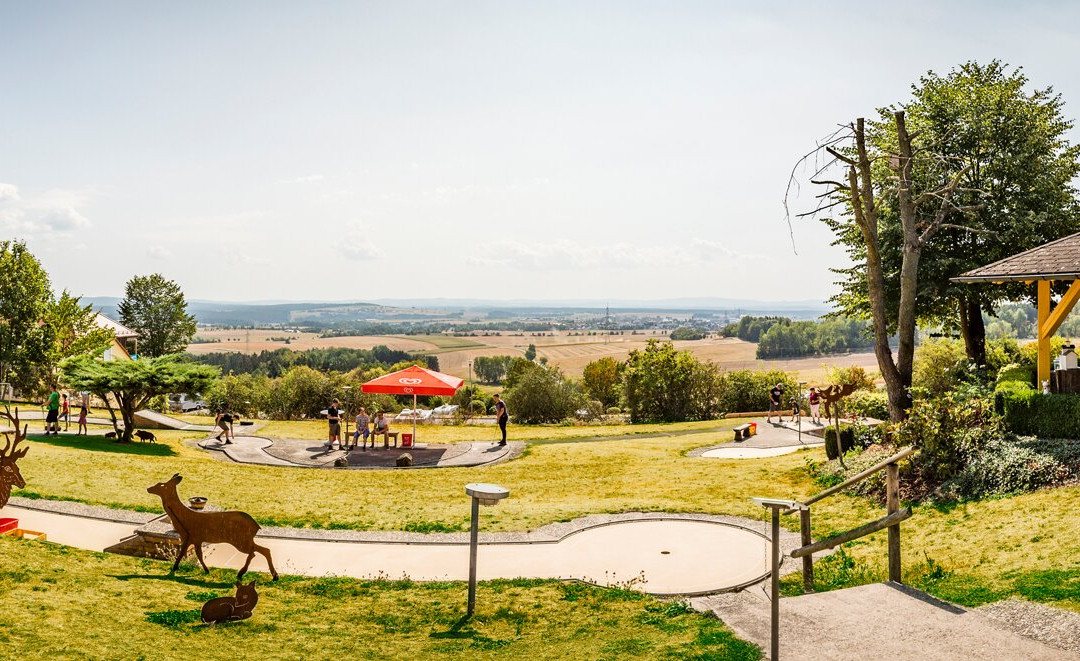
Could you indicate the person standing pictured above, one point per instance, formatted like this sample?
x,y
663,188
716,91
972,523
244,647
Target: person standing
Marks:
x,y
501,416
333,416
82,420
815,406
52,414
65,412
776,397
362,421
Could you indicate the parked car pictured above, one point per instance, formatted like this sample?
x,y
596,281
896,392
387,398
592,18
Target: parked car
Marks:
x,y
184,403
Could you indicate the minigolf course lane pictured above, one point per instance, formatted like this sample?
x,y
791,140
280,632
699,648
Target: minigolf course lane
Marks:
x,y
658,554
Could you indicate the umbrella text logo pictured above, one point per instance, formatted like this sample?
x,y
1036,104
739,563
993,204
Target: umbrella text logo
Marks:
x,y
410,382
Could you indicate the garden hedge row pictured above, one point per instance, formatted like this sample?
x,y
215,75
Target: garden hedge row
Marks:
x,y
1027,411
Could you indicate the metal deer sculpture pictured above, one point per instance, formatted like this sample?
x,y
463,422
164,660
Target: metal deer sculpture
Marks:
x,y
230,609
832,395
9,454
198,528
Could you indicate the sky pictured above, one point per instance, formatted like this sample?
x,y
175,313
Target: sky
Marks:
x,y
527,150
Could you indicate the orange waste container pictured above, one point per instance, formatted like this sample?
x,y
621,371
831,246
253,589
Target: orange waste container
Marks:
x,y
753,428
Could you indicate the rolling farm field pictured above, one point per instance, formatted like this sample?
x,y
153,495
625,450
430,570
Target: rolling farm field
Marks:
x,y
571,352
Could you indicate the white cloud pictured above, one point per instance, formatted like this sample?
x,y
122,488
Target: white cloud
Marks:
x,y
306,179
159,252
567,254
357,244
53,212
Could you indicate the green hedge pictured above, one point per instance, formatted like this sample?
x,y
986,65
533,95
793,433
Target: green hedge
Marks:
x,y
847,440
1027,411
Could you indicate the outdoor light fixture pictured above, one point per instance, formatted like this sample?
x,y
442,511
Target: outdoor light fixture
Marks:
x,y
487,495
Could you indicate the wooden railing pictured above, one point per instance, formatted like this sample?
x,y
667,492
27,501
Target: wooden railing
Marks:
x,y
894,515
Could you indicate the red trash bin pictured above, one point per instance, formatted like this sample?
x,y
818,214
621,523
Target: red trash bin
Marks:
x,y
753,428
406,440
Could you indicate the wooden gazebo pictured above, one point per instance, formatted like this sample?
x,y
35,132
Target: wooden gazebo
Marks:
x,y
1057,261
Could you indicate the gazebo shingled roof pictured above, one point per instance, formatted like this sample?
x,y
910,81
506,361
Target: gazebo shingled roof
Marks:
x,y
1057,260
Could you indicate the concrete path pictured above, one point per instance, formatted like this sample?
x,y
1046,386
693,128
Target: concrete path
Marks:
x,y
313,454
879,621
664,554
772,439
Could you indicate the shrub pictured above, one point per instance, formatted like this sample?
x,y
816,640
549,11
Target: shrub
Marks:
x,y
1028,411
746,390
661,384
855,375
868,404
614,410
543,395
593,410
1014,372
1013,465
940,364
847,440
950,431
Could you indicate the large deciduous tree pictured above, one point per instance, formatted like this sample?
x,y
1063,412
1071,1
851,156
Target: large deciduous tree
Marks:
x,y
155,307
130,385
1016,192
661,384
25,296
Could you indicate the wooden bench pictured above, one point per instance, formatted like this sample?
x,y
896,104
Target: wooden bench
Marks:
x,y
742,431
387,435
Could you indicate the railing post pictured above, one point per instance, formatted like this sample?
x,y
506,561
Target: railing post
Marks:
x,y
892,504
807,561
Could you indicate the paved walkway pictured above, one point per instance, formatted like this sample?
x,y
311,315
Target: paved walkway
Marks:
x,y
879,621
664,554
313,454
772,439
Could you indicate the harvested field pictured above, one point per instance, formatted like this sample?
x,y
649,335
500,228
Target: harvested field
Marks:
x,y
571,352
254,341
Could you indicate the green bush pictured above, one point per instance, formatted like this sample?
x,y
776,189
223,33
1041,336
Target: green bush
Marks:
x,y
950,432
847,440
661,384
614,410
1014,465
746,390
1027,411
868,404
543,395
1014,372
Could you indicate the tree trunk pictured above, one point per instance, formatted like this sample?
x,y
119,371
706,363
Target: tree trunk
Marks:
x,y
973,330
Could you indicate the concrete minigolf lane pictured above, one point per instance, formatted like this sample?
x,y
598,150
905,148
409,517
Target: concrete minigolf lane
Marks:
x,y
664,556
656,556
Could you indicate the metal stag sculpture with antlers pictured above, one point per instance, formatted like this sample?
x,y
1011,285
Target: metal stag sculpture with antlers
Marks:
x,y
197,528
9,454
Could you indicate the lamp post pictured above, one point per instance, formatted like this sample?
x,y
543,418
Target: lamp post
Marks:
x,y
345,407
798,406
487,495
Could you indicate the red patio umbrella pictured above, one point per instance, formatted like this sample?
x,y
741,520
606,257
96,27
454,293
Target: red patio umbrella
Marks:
x,y
413,381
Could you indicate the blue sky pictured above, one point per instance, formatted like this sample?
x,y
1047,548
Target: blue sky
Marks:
x,y
463,149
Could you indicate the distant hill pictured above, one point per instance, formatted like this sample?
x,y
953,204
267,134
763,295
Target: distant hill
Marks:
x,y
329,312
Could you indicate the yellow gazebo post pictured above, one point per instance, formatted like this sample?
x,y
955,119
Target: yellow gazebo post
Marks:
x,y
1050,321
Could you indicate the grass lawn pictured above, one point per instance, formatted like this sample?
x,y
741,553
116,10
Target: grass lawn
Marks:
x,y
1026,545
66,603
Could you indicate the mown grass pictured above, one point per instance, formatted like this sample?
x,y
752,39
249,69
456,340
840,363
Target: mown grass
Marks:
x,y
445,342
1017,545
63,603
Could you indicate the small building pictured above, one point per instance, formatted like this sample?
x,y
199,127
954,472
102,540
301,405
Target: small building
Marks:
x,y
122,335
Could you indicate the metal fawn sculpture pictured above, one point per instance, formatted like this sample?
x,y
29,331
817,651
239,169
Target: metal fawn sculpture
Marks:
x,y
9,454
197,528
230,609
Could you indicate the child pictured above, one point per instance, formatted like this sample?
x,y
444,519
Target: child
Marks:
x,y
82,420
